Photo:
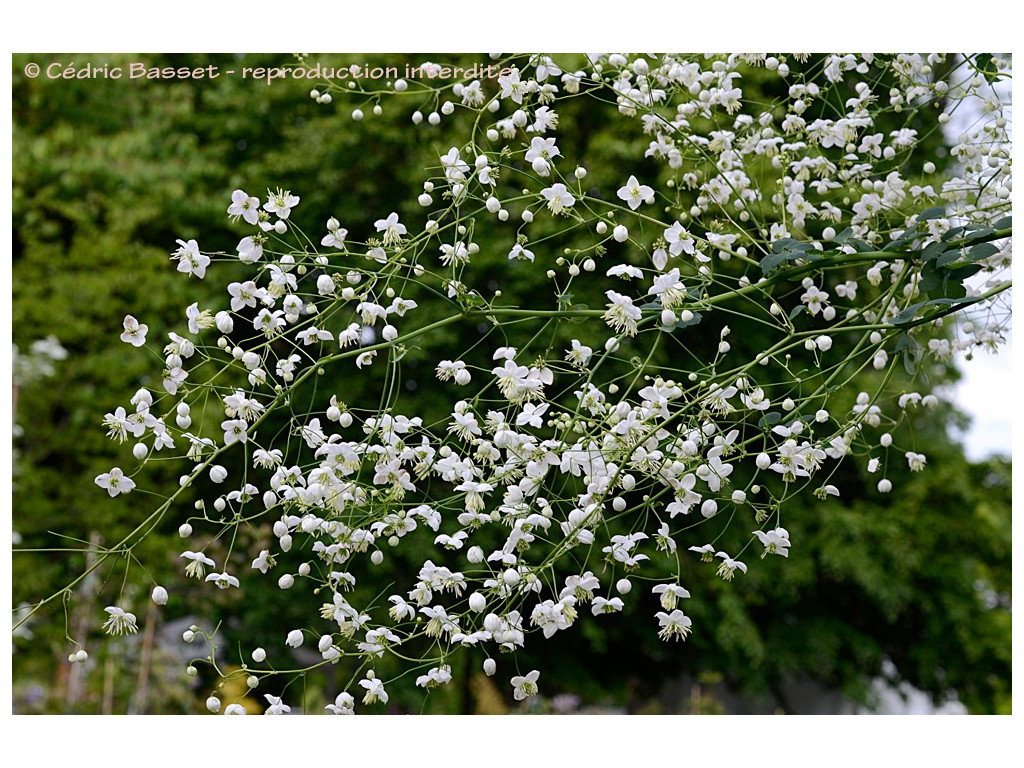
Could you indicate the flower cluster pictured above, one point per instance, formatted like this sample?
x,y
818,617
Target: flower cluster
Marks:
x,y
591,439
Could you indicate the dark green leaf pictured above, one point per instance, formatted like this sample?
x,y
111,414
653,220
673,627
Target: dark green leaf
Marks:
x,y
982,251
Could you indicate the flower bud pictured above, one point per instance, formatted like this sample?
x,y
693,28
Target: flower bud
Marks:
x,y
159,595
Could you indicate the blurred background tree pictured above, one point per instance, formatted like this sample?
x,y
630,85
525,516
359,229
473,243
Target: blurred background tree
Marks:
x,y
912,586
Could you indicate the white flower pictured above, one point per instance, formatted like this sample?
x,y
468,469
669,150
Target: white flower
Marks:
x,y
120,622
244,206
775,542
635,193
235,431
374,691
622,315
675,625
223,580
115,482
134,332
916,461
558,198
197,563
670,593
343,704
525,685
190,260
276,706
280,203
391,228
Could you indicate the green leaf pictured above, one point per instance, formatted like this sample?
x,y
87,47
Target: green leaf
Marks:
x,y
770,419
935,212
772,262
796,311
982,251
933,250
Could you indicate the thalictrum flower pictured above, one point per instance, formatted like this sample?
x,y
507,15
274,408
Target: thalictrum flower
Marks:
x,y
120,622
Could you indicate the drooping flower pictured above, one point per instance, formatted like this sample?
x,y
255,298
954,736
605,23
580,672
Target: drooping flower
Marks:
x,y
674,626
392,229
775,542
622,314
120,622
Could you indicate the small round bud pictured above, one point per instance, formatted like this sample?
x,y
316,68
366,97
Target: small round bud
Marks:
x,y
140,451
185,530
623,586
213,704
763,461
490,667
159,595
885,440
259,655
287,581
884,486
81,655
477,602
